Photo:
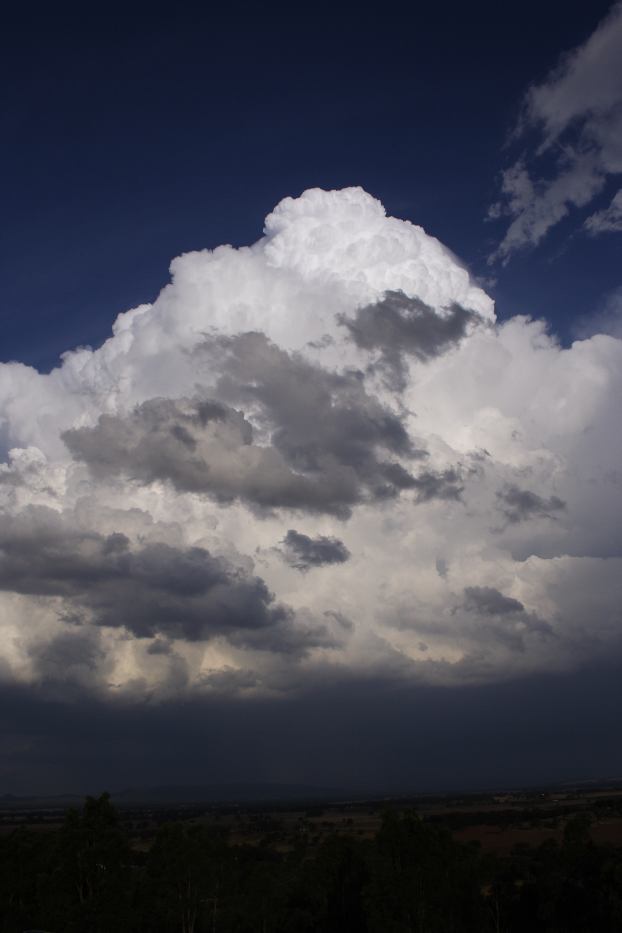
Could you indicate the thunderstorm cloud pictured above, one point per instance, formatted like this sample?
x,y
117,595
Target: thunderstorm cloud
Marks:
x,y
314,460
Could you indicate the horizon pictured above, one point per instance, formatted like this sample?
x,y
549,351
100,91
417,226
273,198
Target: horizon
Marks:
x,y
251,794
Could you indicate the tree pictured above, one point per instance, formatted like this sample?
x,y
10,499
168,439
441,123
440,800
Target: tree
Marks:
x,y
95,860
186,866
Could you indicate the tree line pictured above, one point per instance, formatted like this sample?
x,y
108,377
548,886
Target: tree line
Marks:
x,y
411,877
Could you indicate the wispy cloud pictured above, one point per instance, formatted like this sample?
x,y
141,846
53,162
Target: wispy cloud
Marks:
x,y
608,220
571,129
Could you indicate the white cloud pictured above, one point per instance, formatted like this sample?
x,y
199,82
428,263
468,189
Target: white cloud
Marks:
x,y
609,220
574,118
495,457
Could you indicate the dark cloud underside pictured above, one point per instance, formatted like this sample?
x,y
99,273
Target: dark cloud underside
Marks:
x,y
330,444
487,600
155,589
400,326
521,504
538,730
303,552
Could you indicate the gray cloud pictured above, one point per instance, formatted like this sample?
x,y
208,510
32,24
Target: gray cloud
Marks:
x,y
204,447
340,619
445,485
521,504
502,619
328,444
10,478
484,622
489,601
399,326
303,552
159,647
154,589
230,681
68,656
316,415
442,567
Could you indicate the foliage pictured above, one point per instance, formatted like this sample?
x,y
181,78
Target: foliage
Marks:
x,y
412,877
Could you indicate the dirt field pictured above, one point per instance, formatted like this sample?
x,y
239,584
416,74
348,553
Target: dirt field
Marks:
x,y
497,822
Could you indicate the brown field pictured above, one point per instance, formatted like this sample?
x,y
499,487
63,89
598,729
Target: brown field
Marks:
x,y
502,840
496,822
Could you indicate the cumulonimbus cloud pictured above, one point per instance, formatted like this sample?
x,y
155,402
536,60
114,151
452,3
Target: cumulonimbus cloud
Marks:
x,y
308,458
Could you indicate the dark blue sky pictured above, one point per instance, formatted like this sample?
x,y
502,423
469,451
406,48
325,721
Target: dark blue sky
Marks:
x,y
130,135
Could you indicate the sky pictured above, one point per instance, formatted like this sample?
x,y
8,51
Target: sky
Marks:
x,y
309,401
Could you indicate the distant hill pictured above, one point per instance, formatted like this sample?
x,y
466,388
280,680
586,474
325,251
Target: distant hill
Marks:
x,y
182,794
227,793
52,802
268,793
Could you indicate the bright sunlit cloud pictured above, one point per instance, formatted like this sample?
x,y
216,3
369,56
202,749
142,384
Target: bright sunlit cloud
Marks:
x,y
311,457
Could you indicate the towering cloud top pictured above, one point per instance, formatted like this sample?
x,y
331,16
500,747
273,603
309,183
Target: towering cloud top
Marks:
x,y
310,457
346,239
